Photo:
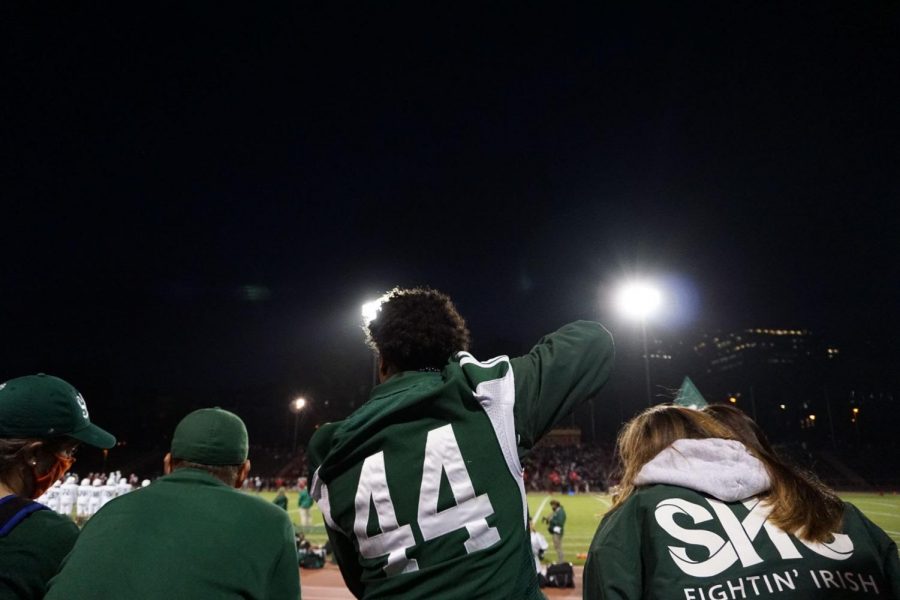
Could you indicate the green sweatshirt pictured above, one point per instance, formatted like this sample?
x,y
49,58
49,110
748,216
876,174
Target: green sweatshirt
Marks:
x,y
421,488
557,522
186,536
674,542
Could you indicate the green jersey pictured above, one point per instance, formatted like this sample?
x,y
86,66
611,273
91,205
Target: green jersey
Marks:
x,y
421,488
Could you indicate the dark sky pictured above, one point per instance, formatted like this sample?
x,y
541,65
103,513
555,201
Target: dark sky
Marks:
x,y
158,159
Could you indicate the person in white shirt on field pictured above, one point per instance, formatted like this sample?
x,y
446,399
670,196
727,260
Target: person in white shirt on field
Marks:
x,y
107,491
67,493
94,498
538,546
82,498
122,487
53,496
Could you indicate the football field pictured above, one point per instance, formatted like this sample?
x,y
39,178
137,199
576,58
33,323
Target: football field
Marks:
x,y
584,511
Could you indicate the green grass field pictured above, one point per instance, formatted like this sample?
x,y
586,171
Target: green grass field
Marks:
x,y
583,513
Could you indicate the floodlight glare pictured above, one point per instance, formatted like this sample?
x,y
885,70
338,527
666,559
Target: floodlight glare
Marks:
x,y
638,300
298,404
370,310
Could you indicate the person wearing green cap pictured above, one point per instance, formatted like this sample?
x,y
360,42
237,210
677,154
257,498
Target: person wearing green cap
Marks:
x,y
190,534
43,419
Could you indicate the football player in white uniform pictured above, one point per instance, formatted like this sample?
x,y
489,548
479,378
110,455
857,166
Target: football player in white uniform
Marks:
x,y
108,490
53,496
94,499
67,493
81,501
122,487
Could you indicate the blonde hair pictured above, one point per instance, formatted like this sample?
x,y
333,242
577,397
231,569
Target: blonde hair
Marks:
x,y
800,503
653,431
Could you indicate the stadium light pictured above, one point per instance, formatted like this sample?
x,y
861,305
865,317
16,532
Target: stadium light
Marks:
x,y
640,300
370,310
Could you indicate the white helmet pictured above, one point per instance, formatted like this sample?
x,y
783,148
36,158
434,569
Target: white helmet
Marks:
x,y
97,483
71,480
145,483
85,481
57,483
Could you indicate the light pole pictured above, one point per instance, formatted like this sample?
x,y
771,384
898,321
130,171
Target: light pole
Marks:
x,y
297,405
369,312
640,300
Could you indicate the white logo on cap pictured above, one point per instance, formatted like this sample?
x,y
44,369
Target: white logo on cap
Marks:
x,y
80,400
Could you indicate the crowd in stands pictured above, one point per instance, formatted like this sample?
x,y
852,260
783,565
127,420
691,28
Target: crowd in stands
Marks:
x,y
564,469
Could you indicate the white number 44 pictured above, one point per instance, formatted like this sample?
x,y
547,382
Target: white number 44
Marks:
x,y
442,455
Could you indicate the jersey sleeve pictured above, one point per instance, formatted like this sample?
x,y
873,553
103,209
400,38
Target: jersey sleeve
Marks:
x,y
564,369
613,568
346,557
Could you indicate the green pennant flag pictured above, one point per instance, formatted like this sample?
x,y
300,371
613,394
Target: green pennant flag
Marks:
x,y
689,395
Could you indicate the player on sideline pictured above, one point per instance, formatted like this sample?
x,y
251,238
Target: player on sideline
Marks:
x,y
421,488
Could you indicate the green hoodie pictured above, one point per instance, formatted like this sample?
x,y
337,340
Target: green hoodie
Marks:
x,y
421,488
697,531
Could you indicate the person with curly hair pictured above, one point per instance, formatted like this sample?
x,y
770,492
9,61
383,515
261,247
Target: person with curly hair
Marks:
x,y
421,488
706,510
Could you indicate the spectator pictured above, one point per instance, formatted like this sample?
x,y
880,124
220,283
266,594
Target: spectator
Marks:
x,y
205,539
691,482
42,421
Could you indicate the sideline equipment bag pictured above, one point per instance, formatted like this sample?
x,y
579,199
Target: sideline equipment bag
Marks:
x,y
560,575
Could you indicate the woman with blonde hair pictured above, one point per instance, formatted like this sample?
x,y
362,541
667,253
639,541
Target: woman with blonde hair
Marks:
x,y
707,511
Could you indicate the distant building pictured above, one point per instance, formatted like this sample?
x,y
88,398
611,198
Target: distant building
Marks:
x,y
778,376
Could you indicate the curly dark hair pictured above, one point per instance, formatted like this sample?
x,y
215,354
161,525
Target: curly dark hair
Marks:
x,y
417,328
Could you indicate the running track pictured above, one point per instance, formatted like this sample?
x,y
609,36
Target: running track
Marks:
x,y
326,584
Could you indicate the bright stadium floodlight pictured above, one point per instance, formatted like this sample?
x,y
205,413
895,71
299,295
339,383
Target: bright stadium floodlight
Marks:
x,y
640,300
370,311
298,404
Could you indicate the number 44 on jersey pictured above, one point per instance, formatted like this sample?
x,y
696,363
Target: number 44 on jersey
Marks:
x,y
442,455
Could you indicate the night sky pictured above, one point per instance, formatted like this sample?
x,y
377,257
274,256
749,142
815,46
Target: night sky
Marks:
x,y
199,196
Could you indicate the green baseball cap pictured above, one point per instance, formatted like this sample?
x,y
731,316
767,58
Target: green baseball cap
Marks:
x,y
43,406
211,436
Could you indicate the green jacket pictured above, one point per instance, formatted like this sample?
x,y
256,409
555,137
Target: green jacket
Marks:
x,y
671,541
557,520
305,500
186,536
32,552
421,488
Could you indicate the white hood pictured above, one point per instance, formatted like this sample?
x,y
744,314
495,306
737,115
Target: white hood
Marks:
x,y
724,469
